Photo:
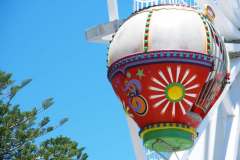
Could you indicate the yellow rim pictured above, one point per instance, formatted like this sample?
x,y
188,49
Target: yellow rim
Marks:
x,y
167,126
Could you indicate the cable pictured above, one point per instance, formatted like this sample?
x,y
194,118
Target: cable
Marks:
x,y
176,155
165,158
159,140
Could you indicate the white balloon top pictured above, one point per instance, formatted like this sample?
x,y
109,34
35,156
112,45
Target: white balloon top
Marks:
x,y
170,28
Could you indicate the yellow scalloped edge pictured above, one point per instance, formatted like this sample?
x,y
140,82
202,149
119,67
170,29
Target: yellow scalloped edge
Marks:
x,y
162,126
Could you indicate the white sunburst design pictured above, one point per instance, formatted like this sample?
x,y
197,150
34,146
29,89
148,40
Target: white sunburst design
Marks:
x,y
170,90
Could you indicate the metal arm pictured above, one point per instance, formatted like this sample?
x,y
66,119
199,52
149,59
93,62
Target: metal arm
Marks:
x,y
113,10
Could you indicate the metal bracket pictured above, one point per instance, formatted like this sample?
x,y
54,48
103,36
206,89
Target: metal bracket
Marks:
x,y
103,33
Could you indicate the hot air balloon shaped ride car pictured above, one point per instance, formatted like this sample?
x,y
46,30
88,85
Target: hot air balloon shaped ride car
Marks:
x,y
168,66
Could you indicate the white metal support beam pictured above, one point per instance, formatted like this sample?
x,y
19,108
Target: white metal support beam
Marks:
x,y
102,33
233,141
136,141
113,10
222,21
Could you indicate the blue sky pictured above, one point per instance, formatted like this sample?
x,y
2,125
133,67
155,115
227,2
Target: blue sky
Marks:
x,y
44,40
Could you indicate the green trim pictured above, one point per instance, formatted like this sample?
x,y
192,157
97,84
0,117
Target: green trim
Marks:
x,y
163,126
146,33
172,85
168,140
145,49
208,34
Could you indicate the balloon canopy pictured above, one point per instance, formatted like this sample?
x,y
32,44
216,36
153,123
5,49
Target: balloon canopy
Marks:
x,y
168,66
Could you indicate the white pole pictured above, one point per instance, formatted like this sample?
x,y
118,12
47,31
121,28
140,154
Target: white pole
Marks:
x,y
233,141
113,10
137,142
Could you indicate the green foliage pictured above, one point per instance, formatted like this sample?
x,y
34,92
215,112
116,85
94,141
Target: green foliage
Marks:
x,y
61,148
19,129
47,103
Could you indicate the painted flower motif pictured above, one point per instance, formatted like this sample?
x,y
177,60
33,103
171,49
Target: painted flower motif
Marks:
x,y
173,90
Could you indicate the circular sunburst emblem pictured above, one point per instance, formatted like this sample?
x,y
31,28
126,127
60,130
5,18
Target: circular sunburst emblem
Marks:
x,y
175,92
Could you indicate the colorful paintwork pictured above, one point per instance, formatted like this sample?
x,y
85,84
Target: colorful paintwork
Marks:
x,y
160,91
146,33
135,100
169,91
175,90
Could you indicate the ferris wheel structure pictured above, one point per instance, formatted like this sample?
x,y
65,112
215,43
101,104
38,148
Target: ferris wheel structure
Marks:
x,y
219,133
